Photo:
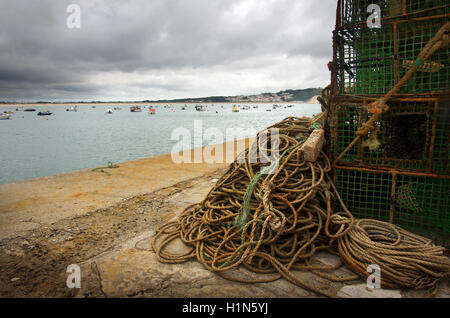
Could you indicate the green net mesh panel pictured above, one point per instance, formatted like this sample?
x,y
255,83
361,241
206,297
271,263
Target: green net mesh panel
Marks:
x,y
355,11
365,60
403,138
434,75
366,63
441,151
420,204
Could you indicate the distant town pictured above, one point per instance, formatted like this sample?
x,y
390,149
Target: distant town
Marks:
x,y
289,95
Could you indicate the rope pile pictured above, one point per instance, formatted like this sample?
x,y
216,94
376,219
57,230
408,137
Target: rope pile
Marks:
x,y
406,260
275,223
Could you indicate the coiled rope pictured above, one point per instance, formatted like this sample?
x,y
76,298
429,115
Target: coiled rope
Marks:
x,y
408,260
276,224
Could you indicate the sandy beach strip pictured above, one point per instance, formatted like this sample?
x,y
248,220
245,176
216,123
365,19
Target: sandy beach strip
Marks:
x,y
33,203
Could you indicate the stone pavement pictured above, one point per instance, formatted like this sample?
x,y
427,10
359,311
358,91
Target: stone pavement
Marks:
x,y
112,246
133,270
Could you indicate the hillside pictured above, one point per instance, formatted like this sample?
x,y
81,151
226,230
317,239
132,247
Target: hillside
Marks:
x,y
289,95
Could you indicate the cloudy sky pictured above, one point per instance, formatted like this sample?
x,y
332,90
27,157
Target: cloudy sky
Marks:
x,y
158,49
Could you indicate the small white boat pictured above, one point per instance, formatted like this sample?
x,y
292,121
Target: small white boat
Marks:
x,y
72,109
109,111
5,116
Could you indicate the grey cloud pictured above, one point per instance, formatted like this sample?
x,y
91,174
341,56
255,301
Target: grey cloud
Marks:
x,y
156,40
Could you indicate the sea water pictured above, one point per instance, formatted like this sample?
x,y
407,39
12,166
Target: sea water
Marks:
x,y
34,146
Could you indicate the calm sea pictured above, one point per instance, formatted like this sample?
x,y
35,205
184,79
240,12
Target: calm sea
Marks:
x,y
34,146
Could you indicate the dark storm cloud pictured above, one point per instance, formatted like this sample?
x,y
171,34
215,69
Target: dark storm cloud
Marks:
x,y
162,48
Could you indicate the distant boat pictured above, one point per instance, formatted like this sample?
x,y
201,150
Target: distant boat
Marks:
x,y
135,109
200,108
109,111
5,116
151,111
72,109
46,112
235,109
29,110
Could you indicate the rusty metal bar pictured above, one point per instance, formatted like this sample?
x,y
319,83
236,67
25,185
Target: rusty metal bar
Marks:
x,y
364,24
397,97
433,134
392,203
395,35
389,170
339,14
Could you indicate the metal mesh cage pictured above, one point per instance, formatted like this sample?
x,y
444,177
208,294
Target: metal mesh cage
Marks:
x,y
434,75
413,135
400,171
403,200
370,61
365,60
355,11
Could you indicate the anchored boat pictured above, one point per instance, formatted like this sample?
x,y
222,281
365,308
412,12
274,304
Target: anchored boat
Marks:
x,y
5,116
46,112
135,109
72,109
200,108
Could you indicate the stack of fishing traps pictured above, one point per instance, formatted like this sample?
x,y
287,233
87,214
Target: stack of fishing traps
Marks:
x,y
400,172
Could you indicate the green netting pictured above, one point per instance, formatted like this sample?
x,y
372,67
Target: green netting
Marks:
x,y
366,63
355,11
401,140
441,151
365,194
435,74
365,60
420,204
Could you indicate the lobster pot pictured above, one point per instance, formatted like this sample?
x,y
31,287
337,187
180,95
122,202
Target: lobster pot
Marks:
x,y
414,135
418,203
356,11
370,61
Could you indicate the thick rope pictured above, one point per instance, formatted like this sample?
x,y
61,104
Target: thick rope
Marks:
x,y
284,220
408,260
